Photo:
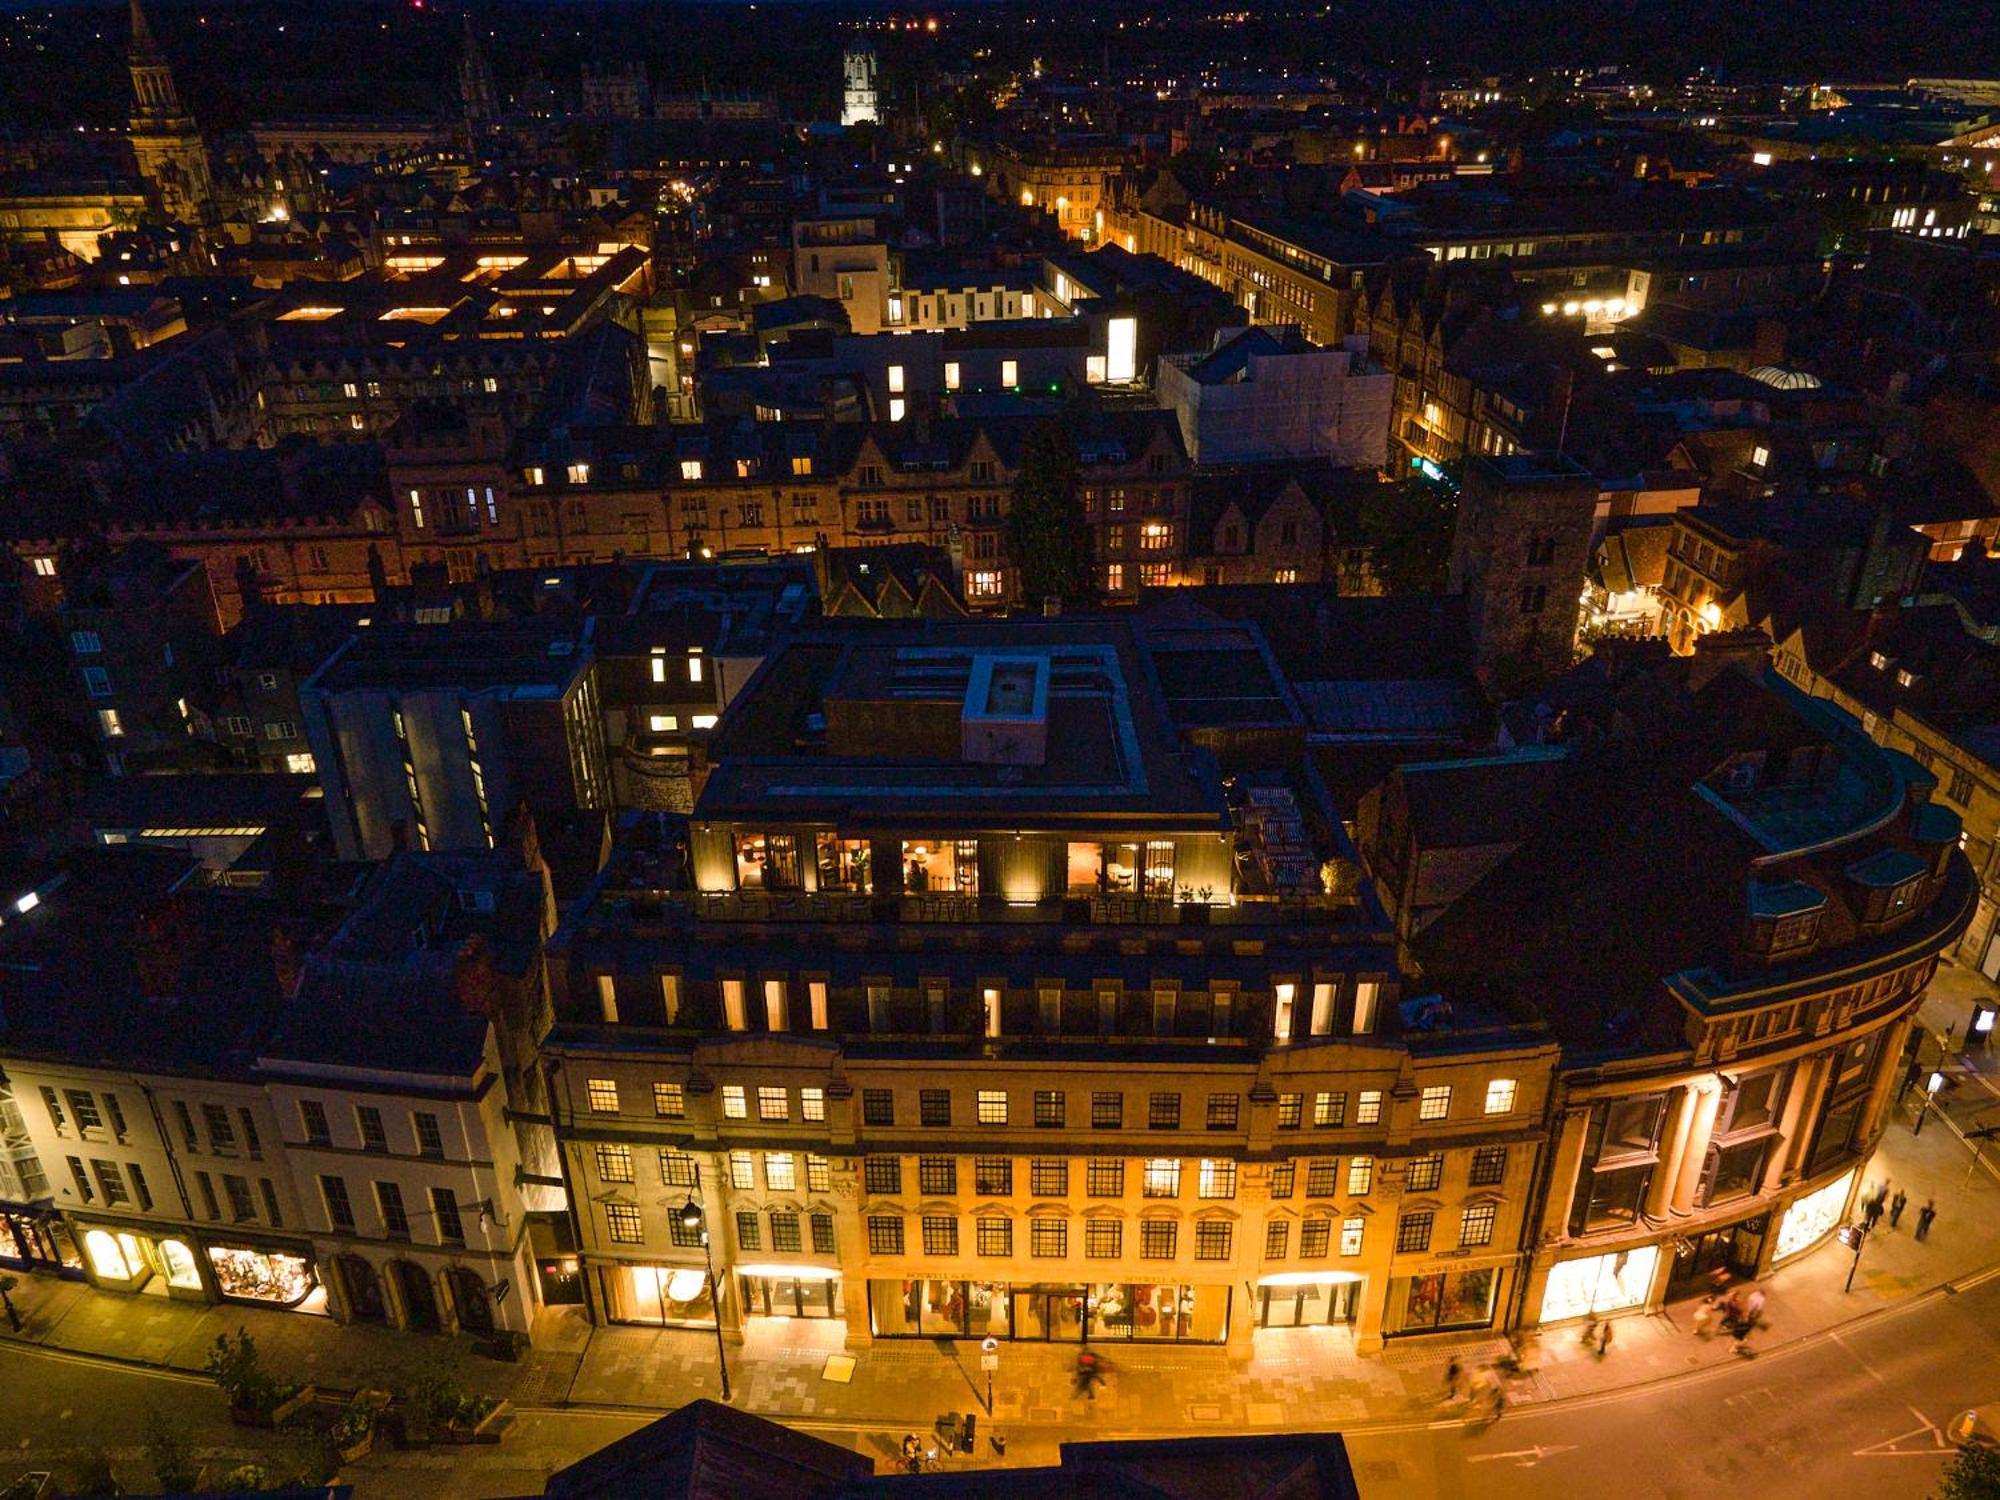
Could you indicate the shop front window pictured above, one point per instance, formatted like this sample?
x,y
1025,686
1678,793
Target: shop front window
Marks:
x,y
116,1257
843,864
664,1296
1600,1283
767,862
1812,1218
263,1275
1443,1299
183,1274
1106,869
941,867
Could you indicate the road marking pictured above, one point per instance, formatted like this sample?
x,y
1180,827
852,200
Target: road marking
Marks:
x,y
1525,1458
1893,1449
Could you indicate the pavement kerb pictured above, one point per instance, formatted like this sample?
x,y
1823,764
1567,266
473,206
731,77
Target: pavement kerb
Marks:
x,y
1411,1422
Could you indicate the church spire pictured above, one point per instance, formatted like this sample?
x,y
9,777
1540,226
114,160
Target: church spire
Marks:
x,y
154,96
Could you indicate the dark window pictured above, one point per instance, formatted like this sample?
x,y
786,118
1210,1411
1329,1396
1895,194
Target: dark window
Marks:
x,y
221,1134
1102,1238
1222,1110
145,1193
1277,1239
885,1234
687,1236
1048,1239
878,1107
1051,1109
993,1176
1323,1178
373,1137
339,1210
1163,1112
444,1204
1211,1240
1158,1238
937,1175
934,1107
940,1235
1425,1173
1413,1232
1048,1177
1105,1177
822,1233
994,1236
678,1169
270,1197
1291,1111
882,1174
1284,1177
1489,1166
749,1232
395,1219
1475,1225
430,1140
313,1114
785,1231
1314,1236
241,1205
1107,1111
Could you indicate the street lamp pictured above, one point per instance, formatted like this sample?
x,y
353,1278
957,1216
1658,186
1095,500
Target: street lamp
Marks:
x,y
693,1219
1931,1087
1854,1236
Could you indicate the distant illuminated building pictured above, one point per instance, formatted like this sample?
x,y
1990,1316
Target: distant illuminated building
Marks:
x,y
858,105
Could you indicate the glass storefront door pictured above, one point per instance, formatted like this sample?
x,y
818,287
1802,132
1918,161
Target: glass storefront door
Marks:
x,y
791,1297
1049,1312
663,1296
1310,1305
1441,1300
1735,1248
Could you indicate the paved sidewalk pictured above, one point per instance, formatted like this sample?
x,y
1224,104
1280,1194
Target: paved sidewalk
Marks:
x,y
1293,1375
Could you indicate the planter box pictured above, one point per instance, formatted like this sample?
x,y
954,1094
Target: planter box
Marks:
x,y
284,1411
488,1429
361,1447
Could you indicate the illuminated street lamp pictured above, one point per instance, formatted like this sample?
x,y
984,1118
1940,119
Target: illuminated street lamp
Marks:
x,y
692,1219
1931,1087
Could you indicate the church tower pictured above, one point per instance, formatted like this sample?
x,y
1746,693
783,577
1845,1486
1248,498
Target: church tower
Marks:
x,y
476,94
165,139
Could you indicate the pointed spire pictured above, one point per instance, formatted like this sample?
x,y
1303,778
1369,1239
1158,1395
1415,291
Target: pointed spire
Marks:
x,y
143,44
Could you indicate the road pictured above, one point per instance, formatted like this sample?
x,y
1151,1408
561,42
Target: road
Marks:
x,y
1853,1413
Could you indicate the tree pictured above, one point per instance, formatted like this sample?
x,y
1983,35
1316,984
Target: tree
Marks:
x,y
1973,1475
1408,527
1046,531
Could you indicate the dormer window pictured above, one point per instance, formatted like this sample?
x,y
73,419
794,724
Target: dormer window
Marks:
x,y
1879,660
1905,677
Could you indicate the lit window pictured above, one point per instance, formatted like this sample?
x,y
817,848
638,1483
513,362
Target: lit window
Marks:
x,y
663,723
1350,1236
1365,993
812,1104
694,666
735,1106
897,409
702,721
992,1107
603,1096
614,1163
1360,1176
773,1104
951,375
1760,457
895,380
1281,1016
690,468
1500,1096
107,720
417,509
1163,1177
45,567
802,463
1435,1102
1010,372
1475,1225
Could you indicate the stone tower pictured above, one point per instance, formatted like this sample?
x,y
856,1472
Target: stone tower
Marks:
x,y
166,142
476,94
1519,556
858,102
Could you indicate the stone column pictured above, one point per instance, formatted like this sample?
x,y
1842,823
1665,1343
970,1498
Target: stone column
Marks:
x,y
1888,1070
1673,1150
1707,1100
1802,1105
1568,1149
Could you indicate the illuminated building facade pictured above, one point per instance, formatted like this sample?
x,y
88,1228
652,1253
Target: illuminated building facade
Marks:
x,y
1050,1033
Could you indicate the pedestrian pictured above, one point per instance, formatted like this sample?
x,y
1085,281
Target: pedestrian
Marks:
x,y
1872,1213
1924,1216
1753,1306
1896,1206
1704,1318
1454,1374
1089,1370
1604,1338
913,1453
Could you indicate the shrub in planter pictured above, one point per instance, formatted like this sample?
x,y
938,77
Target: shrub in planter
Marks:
x,y
245,1478
255,1399
353,1433
171,1455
